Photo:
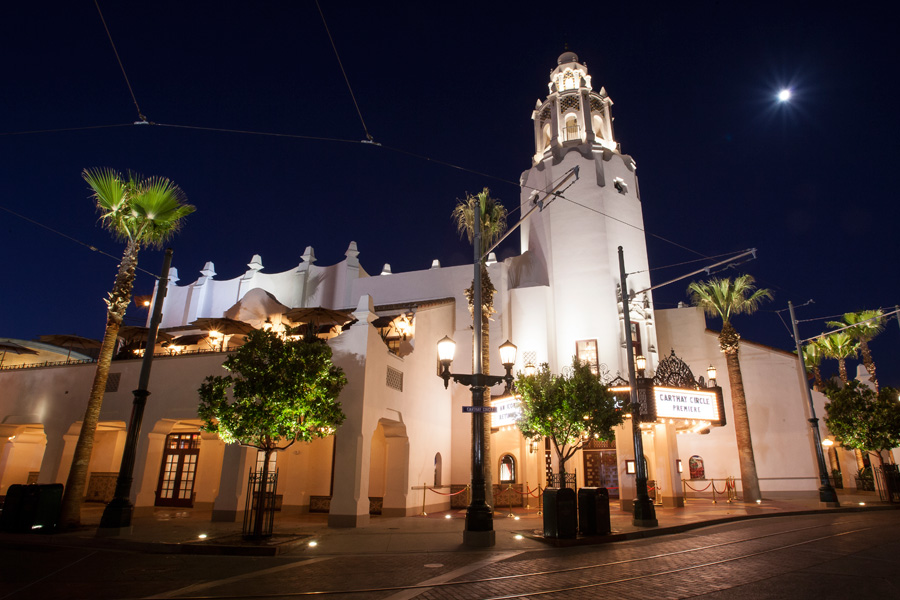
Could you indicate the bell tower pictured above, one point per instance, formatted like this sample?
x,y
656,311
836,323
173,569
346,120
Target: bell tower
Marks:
x,y
570,245
572,111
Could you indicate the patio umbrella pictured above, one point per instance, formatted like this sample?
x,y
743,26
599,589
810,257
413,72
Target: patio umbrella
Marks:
x,y
319,316
70,341
133,333
15,349
223,325
188,340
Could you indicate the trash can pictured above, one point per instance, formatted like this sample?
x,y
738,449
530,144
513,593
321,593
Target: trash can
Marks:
x,y
33,507
560,517
593,511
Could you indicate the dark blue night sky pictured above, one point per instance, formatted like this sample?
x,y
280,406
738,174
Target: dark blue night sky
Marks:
x,y
722,166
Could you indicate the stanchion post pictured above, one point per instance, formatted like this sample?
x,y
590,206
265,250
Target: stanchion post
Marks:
x,y
527,497
540,500
712,484
424,491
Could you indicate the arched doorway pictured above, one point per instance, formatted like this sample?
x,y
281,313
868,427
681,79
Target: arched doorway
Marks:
x,y
389,469
21,453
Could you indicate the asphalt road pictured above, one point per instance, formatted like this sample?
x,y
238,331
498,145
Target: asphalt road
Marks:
x,y
845,555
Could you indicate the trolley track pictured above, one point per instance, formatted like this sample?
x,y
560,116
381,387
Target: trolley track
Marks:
x,y
546,580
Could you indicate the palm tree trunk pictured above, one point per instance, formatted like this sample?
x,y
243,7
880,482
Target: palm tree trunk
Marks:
x,y
73,498
749,479
486,364
868,362
842,370
817,374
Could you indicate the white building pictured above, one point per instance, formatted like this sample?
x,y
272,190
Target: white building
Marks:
x,y
404,431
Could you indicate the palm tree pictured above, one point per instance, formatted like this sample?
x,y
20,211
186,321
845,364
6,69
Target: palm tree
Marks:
x,y
812,358
863,326
839,346
725,298
142,212
493,225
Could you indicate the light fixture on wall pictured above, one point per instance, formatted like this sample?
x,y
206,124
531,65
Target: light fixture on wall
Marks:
x,y
711,375
678,465
629,467
529,370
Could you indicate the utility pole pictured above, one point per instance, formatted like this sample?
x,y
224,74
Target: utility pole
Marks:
x,y
827,495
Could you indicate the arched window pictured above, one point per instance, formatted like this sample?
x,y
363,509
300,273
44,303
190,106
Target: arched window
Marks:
x,y
569,81
695,465
507,469
572,128
546,136
597,122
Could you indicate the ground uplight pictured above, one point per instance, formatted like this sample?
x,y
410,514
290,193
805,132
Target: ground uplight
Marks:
x,y
313,544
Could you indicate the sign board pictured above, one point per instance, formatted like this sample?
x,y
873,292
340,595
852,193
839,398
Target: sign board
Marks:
x,y
506,412
479,409
673,403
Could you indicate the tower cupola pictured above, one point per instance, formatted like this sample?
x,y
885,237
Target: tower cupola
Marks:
x,y
573,113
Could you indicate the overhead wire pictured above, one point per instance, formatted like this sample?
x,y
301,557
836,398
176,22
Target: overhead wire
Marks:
x,y
346,79
121,66
369,139
262,133
62,129
73,239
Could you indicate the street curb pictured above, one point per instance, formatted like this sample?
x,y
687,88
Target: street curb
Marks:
x,y
672,529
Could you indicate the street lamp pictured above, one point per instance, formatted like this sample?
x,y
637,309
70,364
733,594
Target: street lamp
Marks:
x,y
479,516
641,363
711,376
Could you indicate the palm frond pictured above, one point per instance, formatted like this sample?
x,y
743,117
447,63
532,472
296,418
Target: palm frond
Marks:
x,y
727,297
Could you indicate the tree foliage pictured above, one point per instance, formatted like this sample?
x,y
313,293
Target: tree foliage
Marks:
x,y
570,409
862,418
279,391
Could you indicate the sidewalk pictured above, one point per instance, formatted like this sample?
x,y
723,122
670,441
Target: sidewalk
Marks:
x,y
180,530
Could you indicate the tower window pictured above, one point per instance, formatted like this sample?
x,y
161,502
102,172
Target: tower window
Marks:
x,y
620,185
571,131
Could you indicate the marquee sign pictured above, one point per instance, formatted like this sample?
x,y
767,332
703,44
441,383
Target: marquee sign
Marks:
x,y
673,403
507,412
690,409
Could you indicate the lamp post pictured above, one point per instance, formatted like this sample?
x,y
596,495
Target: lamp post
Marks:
x,y
827,495
117,514
479,529
479,516
711,376
644,513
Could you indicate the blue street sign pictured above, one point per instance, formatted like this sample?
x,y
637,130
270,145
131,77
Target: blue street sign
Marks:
x,y
479,409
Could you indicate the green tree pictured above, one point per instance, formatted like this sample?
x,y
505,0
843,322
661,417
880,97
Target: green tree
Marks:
x,y
569,409
281,391
142,212
725,298
862,326
839,346
863,419
493,224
